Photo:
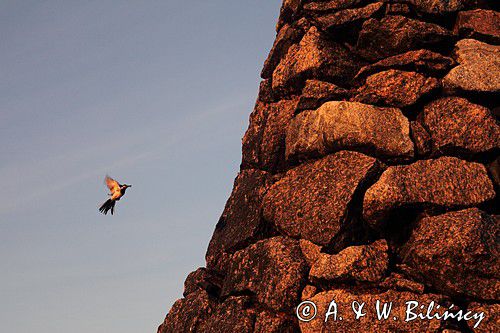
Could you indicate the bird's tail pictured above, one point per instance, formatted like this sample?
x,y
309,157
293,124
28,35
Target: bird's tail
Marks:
x,y
107,206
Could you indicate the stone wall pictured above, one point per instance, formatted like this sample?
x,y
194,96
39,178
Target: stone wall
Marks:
x,y
370,170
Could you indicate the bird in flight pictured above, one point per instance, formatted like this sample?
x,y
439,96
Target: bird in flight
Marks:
x,y
117,191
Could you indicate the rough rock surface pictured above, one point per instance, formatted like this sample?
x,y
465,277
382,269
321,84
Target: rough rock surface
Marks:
x,y
397,34
421,61
314,216
397,9
315,196
395,88
316,93
494,170
421,138
192,281
315,57
233,315
241,220
457,253
398,282
441,6
342,17
479,24
286,37
318,7
310,251
272,269
288,12
365,263
187,314
381,132
308,292
478,69
491,322
264,141
201,279
369,323
446,182
265,92
269,322
457,126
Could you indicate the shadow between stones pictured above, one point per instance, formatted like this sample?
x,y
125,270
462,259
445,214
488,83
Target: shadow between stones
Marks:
x,y
355,231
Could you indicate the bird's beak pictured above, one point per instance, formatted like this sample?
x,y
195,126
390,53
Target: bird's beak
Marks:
x,y
129,185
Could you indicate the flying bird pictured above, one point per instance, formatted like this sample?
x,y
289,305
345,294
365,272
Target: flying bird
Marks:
x,y
117,191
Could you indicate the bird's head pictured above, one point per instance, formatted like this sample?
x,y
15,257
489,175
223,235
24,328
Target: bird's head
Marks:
x,y
125,186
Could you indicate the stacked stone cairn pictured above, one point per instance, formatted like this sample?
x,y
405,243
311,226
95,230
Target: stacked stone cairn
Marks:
x,y
370,170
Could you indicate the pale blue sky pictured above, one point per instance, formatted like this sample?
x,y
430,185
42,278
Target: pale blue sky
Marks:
x,y
155,93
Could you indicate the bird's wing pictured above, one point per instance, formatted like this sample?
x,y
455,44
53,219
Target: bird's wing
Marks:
x,y
112,184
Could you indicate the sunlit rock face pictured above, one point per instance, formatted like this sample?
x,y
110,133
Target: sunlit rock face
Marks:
x,y
337,125
369,172
477,70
